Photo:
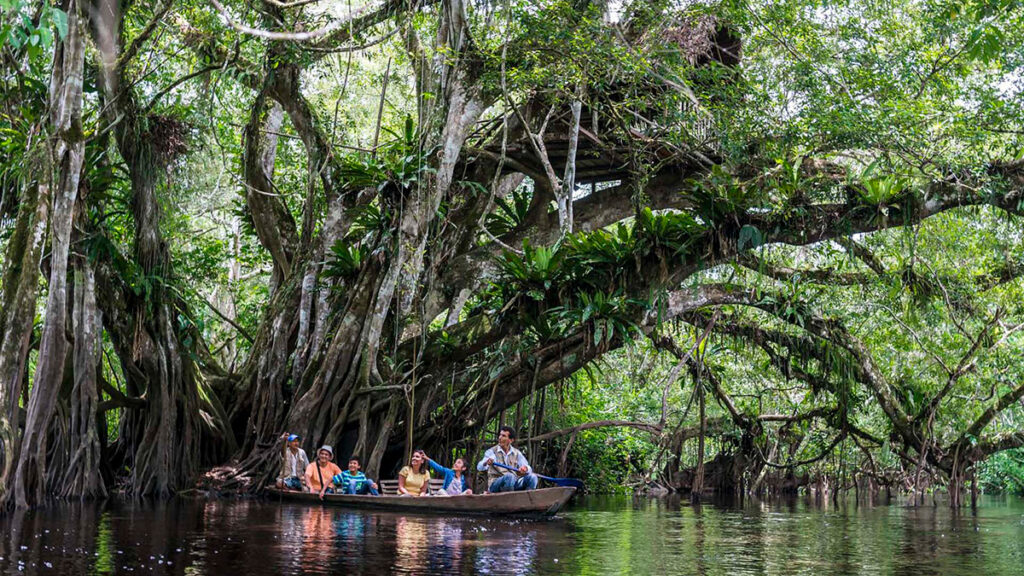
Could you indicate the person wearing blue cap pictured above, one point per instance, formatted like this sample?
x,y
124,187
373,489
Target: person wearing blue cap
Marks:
x,y
293,463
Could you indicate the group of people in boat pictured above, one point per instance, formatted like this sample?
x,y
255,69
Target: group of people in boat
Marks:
x,y
506,467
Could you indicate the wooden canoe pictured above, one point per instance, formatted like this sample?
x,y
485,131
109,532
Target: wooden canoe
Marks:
x,y
540,502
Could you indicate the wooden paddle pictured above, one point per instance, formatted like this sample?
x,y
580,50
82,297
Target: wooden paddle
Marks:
x,y
573,482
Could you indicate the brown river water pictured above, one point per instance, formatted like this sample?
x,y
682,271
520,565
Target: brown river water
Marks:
x,y
595,535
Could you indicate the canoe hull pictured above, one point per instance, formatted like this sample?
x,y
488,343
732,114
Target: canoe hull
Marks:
x,y
541,502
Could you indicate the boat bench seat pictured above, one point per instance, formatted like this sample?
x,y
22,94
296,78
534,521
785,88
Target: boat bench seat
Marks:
x,y
390,487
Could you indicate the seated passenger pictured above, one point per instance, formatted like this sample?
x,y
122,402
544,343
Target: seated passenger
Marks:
x,y
503,479
455,482
414,479
293,463
319,473
353,481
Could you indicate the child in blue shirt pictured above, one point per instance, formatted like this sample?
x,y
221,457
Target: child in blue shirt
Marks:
x,y
455,482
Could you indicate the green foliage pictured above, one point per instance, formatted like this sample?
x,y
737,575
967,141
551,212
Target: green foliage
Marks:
x,y
602,256
20,155
18,30
347,259
536,270
1003,473
722,195
400,162
750,237
610,459
583,279
370,233
609,315
598,259
882,190
511,212
673,233
370,222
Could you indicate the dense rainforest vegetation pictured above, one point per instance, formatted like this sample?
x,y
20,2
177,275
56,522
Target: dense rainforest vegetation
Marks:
x,y
736,245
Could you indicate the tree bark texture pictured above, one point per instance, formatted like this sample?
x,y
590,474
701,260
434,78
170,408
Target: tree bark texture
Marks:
x,y
82,477
21,281
68,151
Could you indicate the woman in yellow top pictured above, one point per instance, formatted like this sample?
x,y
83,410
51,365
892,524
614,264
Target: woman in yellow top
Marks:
x,y
414,479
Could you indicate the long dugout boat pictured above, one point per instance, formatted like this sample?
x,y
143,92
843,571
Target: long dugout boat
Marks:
x,y
541,502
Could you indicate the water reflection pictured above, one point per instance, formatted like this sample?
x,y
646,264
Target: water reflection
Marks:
x,y
448,550
497,553
317,539
596,536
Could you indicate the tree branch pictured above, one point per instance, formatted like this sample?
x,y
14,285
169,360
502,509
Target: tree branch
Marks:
x,y
287,36
816,275
167,89
966,364
129,53
245,334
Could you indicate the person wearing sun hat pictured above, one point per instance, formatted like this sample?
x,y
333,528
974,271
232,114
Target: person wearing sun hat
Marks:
x,y
319,473
293,463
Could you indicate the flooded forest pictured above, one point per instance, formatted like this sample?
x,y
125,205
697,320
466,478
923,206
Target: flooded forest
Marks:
x,y
715,247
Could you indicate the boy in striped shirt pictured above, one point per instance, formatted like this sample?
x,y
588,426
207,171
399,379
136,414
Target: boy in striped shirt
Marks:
x,y
353,481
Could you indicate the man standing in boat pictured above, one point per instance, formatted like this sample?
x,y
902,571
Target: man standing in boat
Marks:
x,y
293,463
502,479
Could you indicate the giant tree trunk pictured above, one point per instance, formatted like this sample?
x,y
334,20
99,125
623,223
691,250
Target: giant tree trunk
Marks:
x,y
21,282
385,294
162,440
82,476
294,326
68,154
164,437
304,375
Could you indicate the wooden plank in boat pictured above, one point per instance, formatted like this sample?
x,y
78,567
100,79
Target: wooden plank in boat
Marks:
x,y
540,502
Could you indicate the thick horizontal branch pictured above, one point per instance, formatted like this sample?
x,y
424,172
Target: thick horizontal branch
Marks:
x,y
978,426
604,208
999,443
302,36
820,412
818,222
1003,273
828,450
117,398
367,20
862,253
826,276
